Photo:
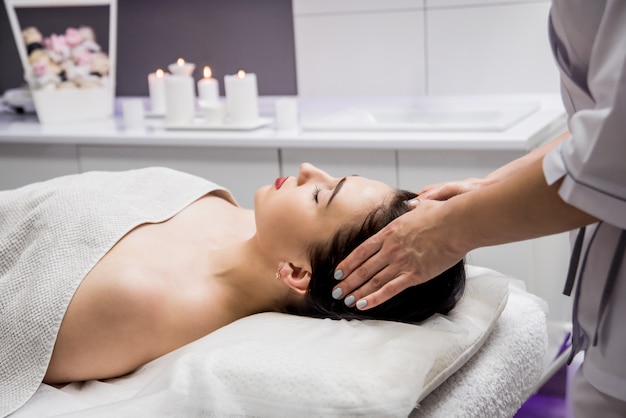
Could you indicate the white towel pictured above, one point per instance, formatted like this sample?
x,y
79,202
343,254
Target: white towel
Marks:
x,y
51,234
497,381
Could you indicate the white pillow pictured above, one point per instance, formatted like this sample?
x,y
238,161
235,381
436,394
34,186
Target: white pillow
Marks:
x,y
274,364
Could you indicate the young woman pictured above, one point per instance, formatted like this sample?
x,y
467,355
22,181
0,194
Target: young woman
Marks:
x,y
179,275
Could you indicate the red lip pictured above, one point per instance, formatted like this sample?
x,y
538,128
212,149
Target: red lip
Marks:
x,y
279,182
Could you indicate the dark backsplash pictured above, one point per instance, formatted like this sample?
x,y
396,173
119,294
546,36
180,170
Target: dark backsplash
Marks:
x,y
228,35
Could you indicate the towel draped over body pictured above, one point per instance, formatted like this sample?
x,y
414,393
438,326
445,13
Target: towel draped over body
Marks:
x,y
52,234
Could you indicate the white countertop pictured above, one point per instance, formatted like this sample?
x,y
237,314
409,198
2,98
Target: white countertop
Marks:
x,y
542,125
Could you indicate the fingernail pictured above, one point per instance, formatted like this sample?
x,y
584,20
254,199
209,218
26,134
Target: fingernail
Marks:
x,y
412,202
361,304
349,301
337,293
338,275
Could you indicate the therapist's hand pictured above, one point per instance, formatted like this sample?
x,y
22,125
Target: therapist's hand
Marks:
x,y
409,251
446,190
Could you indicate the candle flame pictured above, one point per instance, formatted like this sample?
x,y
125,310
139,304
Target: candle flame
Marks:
x,y
180,61
207,72
241,74
159,73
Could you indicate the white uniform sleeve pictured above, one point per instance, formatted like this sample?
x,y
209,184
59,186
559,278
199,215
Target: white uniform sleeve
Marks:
x,y
593,160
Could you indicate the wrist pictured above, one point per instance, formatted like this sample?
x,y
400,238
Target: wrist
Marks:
x,y
489,180
459,231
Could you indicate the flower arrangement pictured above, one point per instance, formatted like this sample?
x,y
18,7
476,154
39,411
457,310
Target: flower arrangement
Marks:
x,y
67,61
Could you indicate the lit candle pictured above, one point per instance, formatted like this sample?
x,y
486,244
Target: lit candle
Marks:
x,y
156,87
208,89
242,98
180,95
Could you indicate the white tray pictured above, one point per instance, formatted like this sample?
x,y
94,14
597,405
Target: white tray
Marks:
x,y
200,125
150,114
153,115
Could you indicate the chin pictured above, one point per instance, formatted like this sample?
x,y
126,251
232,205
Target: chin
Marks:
x,y
259,193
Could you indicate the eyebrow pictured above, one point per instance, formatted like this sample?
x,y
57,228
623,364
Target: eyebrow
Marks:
x,y
336,190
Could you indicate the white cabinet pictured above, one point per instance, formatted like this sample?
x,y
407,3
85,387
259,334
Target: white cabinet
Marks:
x,y
241,170
418,168
22,164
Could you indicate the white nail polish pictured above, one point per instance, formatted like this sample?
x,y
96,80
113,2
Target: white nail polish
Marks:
x,y
412,202
349,301
361,304
338,275
337,293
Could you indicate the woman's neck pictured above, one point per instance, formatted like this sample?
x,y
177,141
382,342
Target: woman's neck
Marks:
x,y
247,278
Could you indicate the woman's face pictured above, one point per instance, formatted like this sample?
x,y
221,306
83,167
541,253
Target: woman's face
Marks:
x,y
294,212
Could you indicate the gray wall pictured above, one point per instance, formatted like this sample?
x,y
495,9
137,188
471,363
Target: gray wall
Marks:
x,y
226,34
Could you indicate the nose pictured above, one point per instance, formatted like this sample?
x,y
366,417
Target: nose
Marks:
x,y
309,172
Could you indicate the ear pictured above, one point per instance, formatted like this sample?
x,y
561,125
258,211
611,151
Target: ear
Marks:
x,y
295,277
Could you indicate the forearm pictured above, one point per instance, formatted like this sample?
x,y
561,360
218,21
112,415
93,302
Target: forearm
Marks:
x,y
514,166
520,207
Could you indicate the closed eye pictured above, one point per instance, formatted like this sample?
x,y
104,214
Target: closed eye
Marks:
x,y
316,193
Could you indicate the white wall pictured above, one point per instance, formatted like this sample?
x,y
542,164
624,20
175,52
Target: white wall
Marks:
x,y
422,47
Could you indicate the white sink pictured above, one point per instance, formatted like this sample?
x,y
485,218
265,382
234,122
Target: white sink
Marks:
x,y
434,117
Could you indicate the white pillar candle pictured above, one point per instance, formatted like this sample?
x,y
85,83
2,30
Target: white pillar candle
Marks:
x,y
180,94
242,98
208,88
156,87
